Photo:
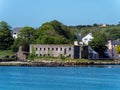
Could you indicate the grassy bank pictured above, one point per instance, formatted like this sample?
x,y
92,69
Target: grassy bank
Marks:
x,y
53,59
4,53
44,63
58,62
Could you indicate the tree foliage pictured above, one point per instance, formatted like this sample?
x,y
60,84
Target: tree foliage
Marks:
x,y
6,39
99,44
26,32
54,32
26,37
117,49
112,32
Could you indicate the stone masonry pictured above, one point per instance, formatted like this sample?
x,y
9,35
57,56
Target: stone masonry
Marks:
x,y
44,50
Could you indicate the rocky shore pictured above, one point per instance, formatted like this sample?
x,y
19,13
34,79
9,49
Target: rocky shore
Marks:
x,y
55,63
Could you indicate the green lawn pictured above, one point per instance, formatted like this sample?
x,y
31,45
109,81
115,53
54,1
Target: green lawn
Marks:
x,y
5,53
67,60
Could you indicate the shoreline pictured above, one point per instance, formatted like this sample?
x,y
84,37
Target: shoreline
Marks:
x,y
55,63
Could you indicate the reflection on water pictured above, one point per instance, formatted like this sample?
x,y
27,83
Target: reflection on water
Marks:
x,y
100,66
103,66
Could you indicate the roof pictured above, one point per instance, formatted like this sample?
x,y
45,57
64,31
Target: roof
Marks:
x,y
89,35
91,50
116,42
78,35
17,29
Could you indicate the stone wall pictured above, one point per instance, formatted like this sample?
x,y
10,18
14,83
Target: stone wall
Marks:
x,y
56,50
20,54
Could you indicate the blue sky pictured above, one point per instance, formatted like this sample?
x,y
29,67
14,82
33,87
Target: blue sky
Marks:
x,y
70,12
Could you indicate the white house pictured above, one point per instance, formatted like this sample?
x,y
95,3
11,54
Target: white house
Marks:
x,y
87,38
103,25
15,32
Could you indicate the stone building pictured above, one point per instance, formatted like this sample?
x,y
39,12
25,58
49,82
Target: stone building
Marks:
x,y
45,50
111,45
21,54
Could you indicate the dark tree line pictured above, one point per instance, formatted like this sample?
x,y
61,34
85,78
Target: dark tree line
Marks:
x,y
6,39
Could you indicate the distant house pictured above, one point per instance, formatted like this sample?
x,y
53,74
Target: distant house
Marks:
x,y
92,54
87,38
111,48
15,32
104,25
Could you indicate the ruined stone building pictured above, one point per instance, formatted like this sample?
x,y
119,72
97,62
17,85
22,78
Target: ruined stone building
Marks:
x,y
45,50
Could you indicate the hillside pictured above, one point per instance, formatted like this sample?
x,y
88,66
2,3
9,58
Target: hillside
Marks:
x,y
110,31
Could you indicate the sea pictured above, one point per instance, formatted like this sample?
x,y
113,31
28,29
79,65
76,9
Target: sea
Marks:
x,y
97,77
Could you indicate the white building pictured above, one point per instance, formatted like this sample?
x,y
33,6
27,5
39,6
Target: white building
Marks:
x,y
15,32
87,38
103,25
76,43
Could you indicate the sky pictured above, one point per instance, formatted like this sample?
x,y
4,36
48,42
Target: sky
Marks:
x,y
19,13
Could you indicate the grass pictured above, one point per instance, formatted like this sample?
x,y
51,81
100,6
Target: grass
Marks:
x,y
6,53
58,59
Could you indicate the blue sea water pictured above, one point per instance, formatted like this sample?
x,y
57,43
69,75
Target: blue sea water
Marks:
x,y
60,78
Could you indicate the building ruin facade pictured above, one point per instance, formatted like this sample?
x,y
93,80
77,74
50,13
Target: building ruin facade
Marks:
x,y
44,50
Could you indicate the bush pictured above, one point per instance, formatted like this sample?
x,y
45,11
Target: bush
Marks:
x,y
62,57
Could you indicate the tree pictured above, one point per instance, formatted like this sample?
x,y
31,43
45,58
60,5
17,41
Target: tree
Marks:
x,y
26,32
4,26
112,32
16,45
54,32
26,37
63,30
6,39
99,44
52,40
117,49
95,25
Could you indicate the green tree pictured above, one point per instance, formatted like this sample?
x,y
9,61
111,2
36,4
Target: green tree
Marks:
x,y
112,32
117,49
16,45
4,26
6,39
54,32
63,30
26,37
26,32
99,44
95,25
